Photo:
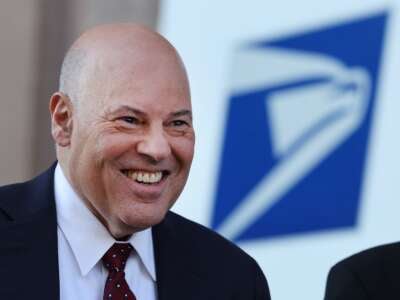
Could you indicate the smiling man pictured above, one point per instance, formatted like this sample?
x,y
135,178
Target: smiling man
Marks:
x,y
97,225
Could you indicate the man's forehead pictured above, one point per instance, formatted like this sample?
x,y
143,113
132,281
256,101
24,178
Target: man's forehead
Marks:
x,y
123,65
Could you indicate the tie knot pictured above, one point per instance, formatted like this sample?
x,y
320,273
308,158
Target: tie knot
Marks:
x,y
115,258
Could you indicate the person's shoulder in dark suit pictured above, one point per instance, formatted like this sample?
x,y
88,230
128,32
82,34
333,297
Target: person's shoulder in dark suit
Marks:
x,y
217,260
371,274
22,200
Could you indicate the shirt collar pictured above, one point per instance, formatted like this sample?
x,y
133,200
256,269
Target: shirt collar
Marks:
x,y
87,237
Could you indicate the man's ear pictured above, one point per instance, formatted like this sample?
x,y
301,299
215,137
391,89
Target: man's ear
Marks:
x,y
61,118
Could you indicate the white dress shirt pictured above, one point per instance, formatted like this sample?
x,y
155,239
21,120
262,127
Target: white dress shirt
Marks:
x,y
83,240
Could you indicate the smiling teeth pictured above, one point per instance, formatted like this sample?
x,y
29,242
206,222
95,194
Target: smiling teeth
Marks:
x,y
145,177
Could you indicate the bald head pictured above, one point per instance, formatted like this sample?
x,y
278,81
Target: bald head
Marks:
x,y
109,46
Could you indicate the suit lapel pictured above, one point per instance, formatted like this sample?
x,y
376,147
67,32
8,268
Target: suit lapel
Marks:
x,y
177,274
28,251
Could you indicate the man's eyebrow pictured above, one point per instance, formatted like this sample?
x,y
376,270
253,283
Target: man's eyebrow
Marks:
x,y
183,112
127,108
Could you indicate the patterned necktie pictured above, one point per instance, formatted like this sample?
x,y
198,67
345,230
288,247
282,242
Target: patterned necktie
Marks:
x,y
114,260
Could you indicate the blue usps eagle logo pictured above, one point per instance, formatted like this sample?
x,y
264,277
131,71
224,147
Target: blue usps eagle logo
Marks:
x,y
296,137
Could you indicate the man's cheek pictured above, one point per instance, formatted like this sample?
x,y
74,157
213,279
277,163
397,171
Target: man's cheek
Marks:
x,y
112,147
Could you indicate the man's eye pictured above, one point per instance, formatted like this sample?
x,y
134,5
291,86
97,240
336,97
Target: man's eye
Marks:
x,y
179,123
130,120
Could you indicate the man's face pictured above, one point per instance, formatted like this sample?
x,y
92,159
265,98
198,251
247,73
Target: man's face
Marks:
x,y
132,141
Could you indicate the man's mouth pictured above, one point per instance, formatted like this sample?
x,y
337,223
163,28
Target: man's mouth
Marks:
x,y
145,176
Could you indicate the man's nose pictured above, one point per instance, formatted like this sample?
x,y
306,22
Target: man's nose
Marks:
x,y
154,144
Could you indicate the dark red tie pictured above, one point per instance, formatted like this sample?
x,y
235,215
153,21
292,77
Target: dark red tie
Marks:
x,y
114,260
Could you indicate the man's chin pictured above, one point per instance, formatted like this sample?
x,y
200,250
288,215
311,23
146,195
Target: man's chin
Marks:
x,y
135,223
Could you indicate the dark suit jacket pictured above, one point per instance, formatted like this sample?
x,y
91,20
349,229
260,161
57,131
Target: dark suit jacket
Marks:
x,y
373,274
192,262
